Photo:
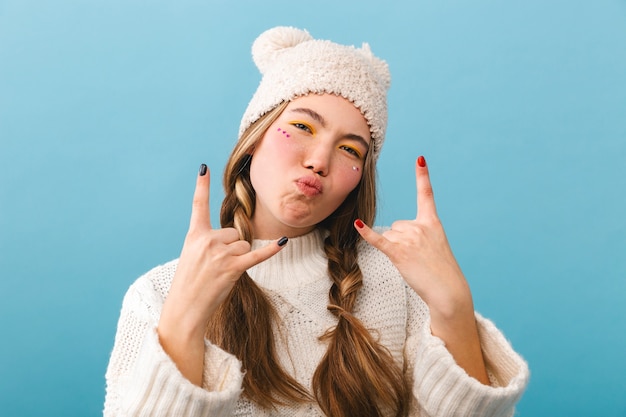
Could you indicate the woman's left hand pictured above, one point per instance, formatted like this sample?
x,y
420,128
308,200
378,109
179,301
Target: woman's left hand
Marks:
x,y
420,251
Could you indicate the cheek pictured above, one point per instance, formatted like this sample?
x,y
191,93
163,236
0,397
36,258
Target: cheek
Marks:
x,y
280,142
275,148
349,176
272,157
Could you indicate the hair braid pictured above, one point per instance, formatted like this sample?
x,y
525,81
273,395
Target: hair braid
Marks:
x,y
243,325
357,376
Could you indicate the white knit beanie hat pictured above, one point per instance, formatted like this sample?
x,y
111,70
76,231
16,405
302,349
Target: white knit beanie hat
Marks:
x,y
294,64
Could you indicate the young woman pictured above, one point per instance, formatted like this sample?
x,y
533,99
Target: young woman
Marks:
x,y
296,306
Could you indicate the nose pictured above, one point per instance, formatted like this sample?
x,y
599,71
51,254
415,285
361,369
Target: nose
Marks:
x,y
317,159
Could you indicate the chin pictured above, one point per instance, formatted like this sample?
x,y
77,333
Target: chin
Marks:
x,y
300,225
298,217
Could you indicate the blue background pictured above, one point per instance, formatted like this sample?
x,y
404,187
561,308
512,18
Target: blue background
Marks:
x,y
108,107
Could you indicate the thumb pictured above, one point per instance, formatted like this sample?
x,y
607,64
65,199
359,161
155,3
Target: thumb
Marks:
x,y
375,239
259,255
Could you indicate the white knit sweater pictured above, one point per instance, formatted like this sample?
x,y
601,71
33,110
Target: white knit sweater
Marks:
x,y
143,381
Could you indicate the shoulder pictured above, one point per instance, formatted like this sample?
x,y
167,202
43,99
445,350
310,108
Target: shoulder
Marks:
x,y
160,277
151,288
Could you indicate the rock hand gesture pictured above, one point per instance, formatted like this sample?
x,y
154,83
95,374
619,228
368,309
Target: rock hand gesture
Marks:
x,y
420,250
210,263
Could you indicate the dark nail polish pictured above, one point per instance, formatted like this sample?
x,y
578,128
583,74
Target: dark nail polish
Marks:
x,y
421,161
359,223
282,241
203,169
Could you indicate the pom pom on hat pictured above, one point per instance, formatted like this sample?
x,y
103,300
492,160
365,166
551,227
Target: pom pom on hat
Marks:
x,y
270,44
294,64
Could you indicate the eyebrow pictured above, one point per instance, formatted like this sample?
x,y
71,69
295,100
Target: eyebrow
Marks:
x,y
320,119
311,113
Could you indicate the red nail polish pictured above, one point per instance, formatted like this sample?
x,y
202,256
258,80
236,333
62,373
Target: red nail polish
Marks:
x,y
359,223
421,161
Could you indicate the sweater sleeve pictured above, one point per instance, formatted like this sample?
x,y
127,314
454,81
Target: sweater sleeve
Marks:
x,y
442,388
142,380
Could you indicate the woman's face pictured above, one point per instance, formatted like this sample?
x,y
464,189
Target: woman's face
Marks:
x,y
306,164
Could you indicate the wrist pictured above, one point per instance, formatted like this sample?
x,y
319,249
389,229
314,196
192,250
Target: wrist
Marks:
x,y
183,342
449,300
183,324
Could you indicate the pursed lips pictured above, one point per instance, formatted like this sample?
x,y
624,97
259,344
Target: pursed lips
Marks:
x,y
309,186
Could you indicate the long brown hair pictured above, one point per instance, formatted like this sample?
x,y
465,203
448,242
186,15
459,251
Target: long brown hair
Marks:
x,y
357,376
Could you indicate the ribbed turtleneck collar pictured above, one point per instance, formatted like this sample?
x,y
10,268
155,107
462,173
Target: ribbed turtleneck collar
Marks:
x,y
301,261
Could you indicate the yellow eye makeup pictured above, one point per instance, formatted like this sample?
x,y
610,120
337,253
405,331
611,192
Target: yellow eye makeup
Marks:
x,y
351,150
298,124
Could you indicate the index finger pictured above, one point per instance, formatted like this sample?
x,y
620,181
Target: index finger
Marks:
x,y
200,212
425,196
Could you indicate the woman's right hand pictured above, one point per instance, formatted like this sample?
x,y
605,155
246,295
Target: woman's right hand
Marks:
x,y
211,261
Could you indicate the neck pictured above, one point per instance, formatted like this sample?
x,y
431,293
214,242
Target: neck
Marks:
x,y
302,261
265,231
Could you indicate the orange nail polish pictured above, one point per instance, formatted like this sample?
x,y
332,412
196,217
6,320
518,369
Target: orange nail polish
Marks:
x,y
421,161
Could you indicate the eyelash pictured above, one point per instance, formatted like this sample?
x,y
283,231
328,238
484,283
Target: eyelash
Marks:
x,y
351,151
303,126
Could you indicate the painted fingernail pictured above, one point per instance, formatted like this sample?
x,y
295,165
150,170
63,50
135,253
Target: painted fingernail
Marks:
x,y
359,223
282,241
421,161
203,169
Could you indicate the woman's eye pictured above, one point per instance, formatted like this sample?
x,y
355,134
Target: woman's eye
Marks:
x,y
302,126
350,150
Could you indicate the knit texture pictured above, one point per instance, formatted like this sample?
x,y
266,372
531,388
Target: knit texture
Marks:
x,y
294,64
143,381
